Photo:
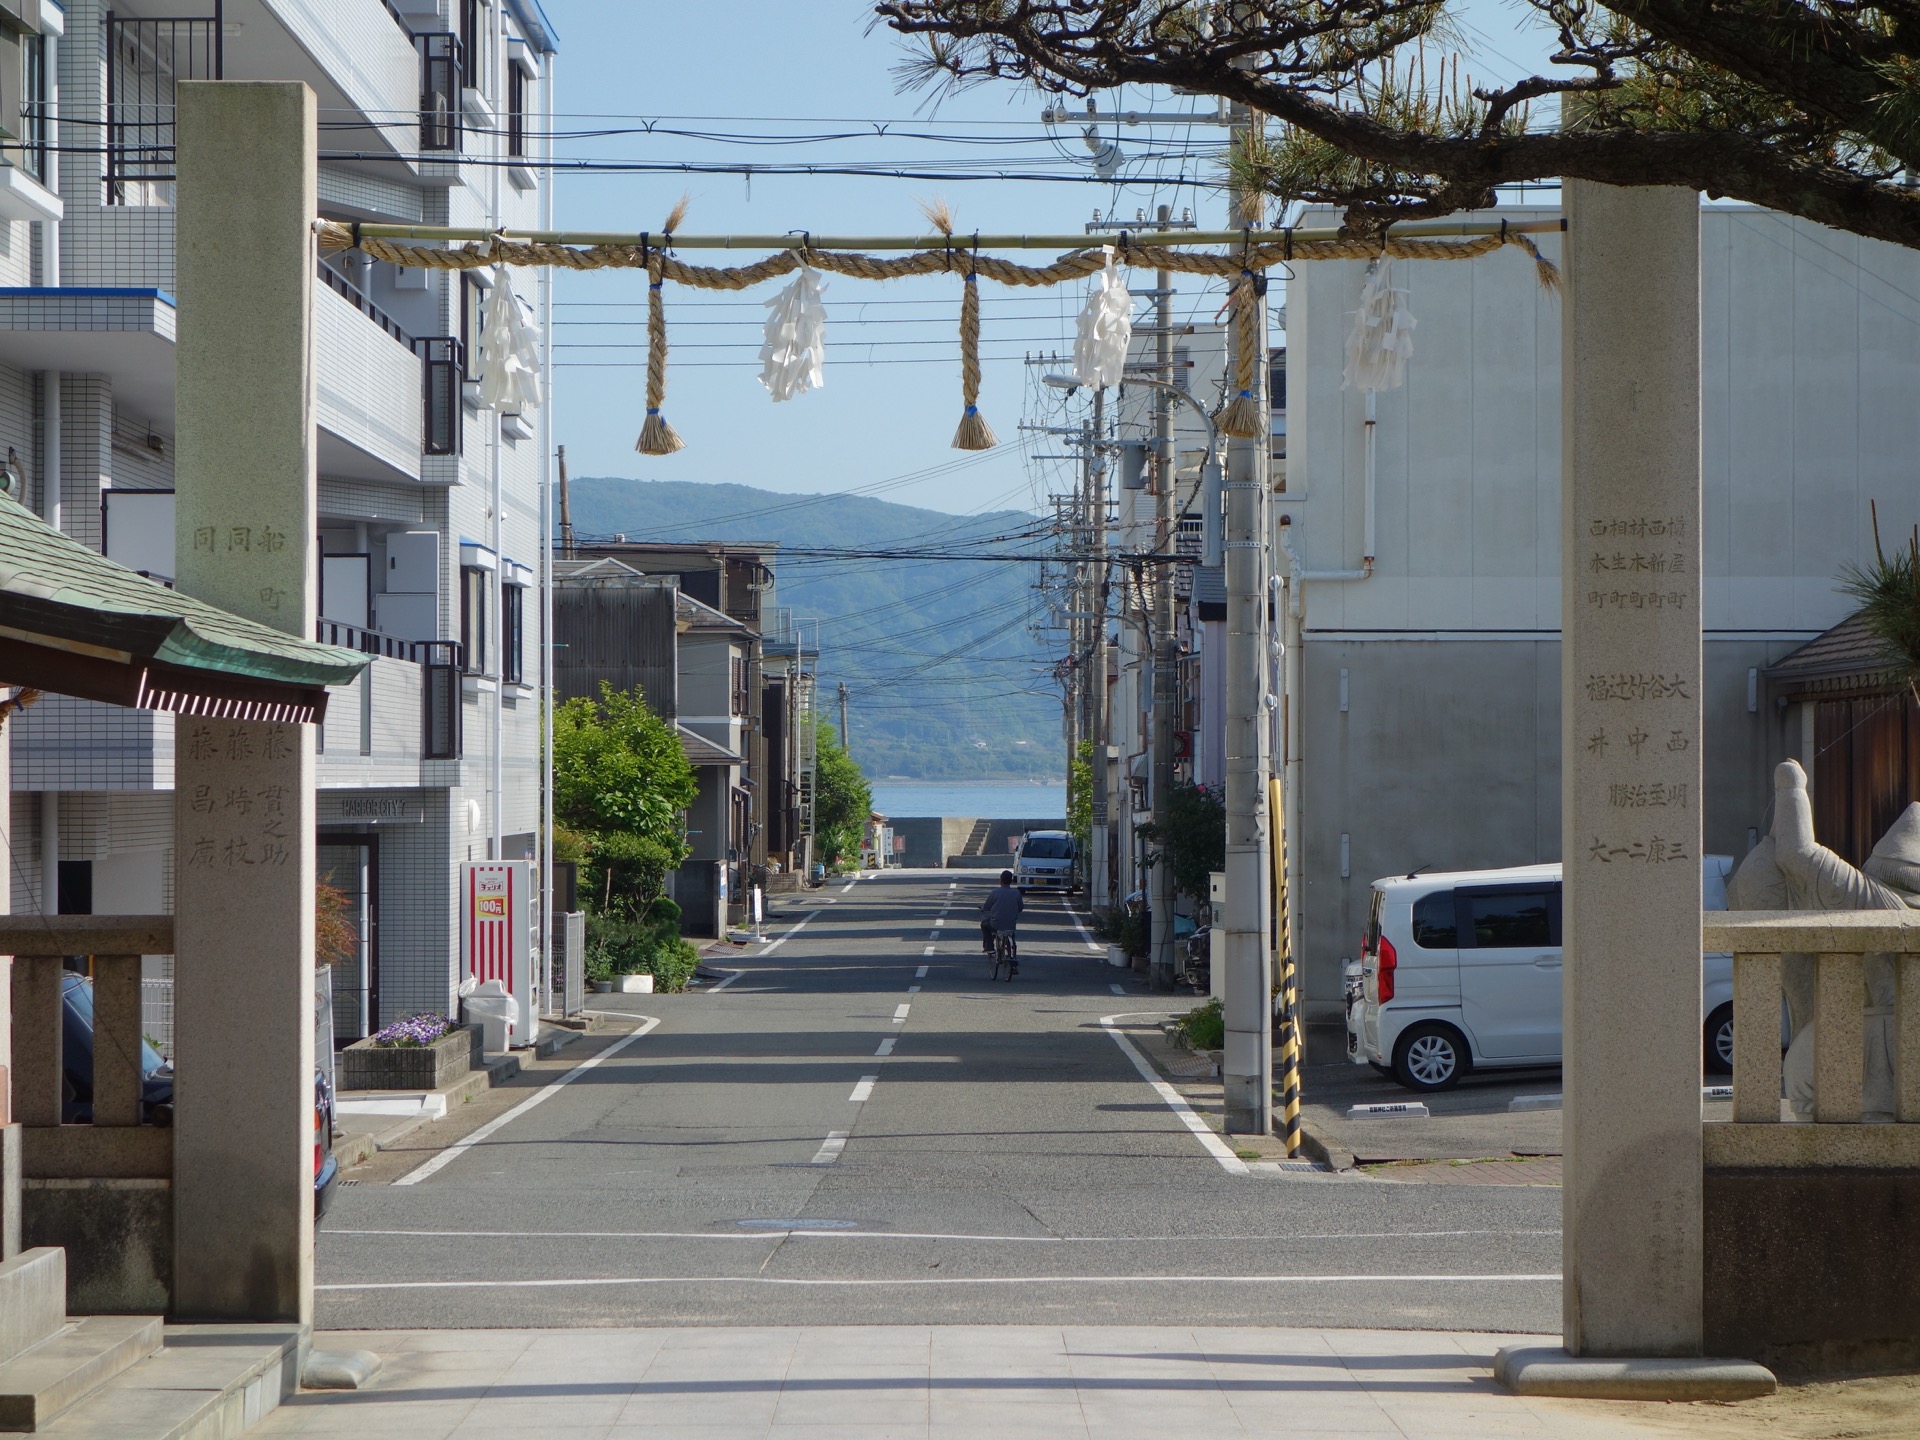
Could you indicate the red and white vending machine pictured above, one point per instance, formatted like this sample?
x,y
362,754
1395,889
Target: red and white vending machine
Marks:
x,y
497,925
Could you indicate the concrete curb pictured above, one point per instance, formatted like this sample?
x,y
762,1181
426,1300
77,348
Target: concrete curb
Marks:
x,y
338,1369
1315,1146
1550,1371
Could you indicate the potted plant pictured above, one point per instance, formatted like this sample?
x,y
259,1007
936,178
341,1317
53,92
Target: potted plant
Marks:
x,y
422,1052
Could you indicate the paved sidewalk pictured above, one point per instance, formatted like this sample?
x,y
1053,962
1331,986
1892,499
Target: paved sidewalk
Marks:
x,y
875,1383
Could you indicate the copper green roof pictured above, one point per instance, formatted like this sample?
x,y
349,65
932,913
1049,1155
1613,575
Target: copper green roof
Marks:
x,y
55,591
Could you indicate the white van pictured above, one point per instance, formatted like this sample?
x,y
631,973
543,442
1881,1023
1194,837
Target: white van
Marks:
x,y
1461,971
1044,860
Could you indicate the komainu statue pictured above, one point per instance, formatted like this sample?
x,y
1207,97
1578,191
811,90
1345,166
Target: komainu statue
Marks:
x,y
1790,870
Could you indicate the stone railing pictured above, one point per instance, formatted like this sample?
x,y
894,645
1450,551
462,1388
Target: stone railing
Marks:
x,y
1840,941
38,944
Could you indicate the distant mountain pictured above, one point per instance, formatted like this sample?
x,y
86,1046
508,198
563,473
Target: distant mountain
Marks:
x,y
944,680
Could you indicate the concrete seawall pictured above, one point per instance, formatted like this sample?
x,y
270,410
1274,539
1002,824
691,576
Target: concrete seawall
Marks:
x,y
962,842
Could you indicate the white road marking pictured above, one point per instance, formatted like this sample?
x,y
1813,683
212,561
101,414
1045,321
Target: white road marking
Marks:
x,y
862,1092
938,923
849,885
1202,1132
830,1149
927,951
1201,1280
1116,989
775,945
953,885
921,973
886,1046
460,1147
914,989
900,1013
1092,944
1184,1237
732,975
934,936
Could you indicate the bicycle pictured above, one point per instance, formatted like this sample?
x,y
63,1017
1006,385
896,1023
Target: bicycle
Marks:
x,y
1006,953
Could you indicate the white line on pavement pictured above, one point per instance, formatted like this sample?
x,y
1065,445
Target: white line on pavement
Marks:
x,y
914,989
830,1149
1184,1237
921,973
927,951
1116,989
934,936
900,1013
938,923
732,975
849,885
775,945
1204,1280
863,1091
1091,944
459,1147
1202,1132
886,1046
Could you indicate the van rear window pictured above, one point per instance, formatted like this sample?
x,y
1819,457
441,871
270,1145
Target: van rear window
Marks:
x,y
1433,922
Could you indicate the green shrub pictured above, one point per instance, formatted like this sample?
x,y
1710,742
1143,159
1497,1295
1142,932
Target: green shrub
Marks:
x,y
1121,926
1205,1027
620,945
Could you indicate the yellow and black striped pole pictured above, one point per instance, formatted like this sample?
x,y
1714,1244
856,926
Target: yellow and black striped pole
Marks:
x,y
1288,1060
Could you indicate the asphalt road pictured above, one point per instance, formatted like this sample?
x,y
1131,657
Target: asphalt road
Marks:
x,y
833,1137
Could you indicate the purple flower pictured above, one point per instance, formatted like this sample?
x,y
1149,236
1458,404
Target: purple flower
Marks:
x,y
413,1032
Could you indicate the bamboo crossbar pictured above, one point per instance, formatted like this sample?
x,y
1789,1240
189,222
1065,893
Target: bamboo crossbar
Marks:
x,y
801,240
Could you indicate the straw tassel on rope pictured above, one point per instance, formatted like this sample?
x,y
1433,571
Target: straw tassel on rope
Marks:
x,y
1240,417
974,432
657,437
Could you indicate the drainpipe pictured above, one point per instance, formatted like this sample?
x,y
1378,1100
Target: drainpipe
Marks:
x,y
497,773
543,845
52,463
1291,593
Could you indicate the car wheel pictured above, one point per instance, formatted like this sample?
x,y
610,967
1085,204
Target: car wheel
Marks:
x,y
1719,1041
1429,1056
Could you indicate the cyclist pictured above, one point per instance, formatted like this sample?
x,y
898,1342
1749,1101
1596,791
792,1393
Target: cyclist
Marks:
x,y
1001,914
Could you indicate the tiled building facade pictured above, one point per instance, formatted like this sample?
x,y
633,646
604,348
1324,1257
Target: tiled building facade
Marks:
x,y
430,509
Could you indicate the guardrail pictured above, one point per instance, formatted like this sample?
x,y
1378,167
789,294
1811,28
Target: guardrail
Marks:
x,y
1840,943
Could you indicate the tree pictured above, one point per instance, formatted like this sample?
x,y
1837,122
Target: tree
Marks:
x,y
1194,844
842,799
1811,107
621,779
1080,802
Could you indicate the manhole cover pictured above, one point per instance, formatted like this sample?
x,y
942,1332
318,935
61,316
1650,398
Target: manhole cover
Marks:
x,y
795,1224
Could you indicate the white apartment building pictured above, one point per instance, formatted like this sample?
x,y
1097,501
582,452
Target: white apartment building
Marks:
x,y
1430,694
430,508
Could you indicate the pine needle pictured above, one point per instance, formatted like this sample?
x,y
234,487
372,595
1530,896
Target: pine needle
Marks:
x,y
1888,593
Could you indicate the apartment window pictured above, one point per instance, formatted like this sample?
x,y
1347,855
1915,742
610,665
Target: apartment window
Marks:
x,y
741,703
33,106
474,584
473,37
516,112
513,609
473,297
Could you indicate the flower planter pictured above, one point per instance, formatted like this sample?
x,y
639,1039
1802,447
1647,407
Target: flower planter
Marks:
x,y
1116,957
603,987
636,984
366,1066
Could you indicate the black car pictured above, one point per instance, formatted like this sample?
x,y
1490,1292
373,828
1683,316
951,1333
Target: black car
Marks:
x,y
156,1085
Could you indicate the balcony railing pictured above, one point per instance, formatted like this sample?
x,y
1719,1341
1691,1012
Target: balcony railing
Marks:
x,y
440,660
146,61
1841,943
443,367
345,288
441,64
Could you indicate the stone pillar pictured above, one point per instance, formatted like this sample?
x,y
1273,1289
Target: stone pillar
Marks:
x,y
243,797
1630,770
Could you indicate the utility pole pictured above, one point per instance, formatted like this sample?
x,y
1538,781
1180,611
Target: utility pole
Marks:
x,y
1166,649
1097,657
1247,1073
843,718
566,511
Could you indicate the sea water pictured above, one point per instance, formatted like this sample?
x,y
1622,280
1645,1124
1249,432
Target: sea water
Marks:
x,y
978,801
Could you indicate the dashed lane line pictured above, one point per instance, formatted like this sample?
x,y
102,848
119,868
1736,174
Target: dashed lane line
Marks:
x,y
460,1147
913,989
921,973
900,1014
849,885
863,1092
776,944
1091,943
1116,989
1215,1146
886,1047
829,1151
732,975
927,951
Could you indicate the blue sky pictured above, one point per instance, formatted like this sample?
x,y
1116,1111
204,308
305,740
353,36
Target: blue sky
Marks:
x,y
765,66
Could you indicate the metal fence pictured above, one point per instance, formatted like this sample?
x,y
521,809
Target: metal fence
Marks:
x,y
443,365
146,61
156,1013
442,60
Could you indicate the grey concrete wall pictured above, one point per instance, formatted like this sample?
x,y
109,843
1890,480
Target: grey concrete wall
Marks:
x,y
118,1235
1449,757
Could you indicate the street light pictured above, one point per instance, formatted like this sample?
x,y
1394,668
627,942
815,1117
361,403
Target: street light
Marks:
x,y
1210,474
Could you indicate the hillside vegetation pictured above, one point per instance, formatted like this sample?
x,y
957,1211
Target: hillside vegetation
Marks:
x,y
944,680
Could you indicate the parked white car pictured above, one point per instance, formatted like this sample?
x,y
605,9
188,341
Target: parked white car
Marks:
x,y
1461,971
1044,861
